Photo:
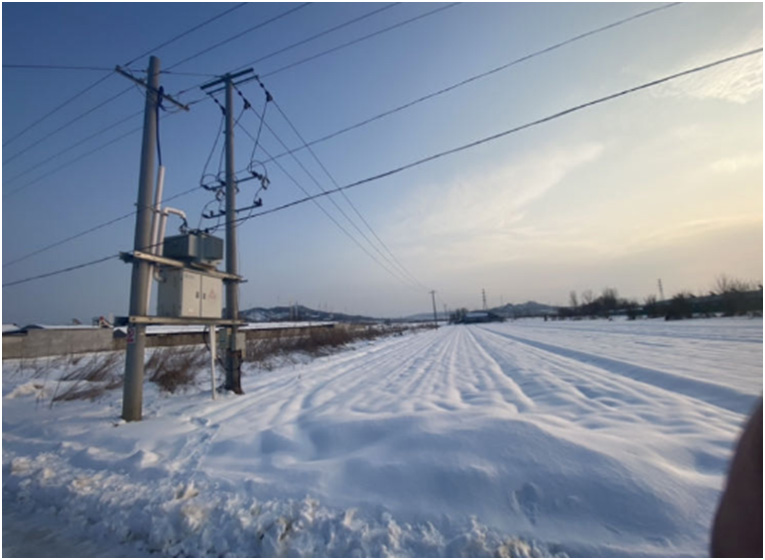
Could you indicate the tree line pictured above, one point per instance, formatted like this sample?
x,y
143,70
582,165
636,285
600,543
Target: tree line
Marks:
x,y
728,297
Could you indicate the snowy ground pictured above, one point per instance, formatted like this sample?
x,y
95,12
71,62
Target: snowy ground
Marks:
x,y
589,438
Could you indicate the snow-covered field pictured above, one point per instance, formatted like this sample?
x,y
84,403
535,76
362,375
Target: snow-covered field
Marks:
x,y
589,438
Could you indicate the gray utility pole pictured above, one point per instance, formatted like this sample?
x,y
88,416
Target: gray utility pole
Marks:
x,y
661,291
483,292
435,315
132,396
233,361
233,353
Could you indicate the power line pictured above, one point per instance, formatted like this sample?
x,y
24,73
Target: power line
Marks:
x,y
513,130
298,43
444,153
62,152
67,239
324,210
484,75
67,124
393,259
233,37
110,70
321,34
56,67
360,39
180,35
57,108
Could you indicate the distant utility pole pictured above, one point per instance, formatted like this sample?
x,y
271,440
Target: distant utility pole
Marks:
x,y
435,315
483,292
661,291
132,393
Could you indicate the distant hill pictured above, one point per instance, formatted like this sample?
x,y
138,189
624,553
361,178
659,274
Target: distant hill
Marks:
x,y
300,313
528,309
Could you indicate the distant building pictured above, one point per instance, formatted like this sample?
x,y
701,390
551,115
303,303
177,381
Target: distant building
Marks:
x,y
480,317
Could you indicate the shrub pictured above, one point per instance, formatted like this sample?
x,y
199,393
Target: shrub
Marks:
x,y
90,380
175,368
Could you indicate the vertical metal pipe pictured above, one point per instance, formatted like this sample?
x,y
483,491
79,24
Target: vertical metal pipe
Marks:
x,y
132,395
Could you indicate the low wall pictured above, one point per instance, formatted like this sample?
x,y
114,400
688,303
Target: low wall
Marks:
x,y
38,343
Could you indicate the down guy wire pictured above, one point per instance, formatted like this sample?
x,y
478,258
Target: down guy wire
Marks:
x,y
463,147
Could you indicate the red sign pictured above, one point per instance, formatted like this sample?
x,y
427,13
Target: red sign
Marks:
x,y
131,335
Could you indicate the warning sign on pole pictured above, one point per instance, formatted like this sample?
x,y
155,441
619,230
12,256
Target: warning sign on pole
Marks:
x,y
131,335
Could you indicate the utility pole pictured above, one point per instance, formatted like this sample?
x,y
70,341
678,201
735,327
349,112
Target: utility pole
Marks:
x,y
435,315
483,293
233,359
661,290
233,353
132,396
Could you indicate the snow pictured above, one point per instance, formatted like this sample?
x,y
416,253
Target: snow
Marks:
x,y
180,329
525,438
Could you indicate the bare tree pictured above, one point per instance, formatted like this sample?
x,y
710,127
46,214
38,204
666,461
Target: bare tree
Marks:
x,y
573,301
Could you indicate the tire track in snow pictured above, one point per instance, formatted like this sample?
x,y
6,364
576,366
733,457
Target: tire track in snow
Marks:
x,y
714,394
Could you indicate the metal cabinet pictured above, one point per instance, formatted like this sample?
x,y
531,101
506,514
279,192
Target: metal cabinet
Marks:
x,y
184,293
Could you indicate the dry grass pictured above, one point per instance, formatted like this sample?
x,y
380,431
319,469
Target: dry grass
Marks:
x,y
91,380
314,342
176,368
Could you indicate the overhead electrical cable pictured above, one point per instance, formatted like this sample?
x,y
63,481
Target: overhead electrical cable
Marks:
x,y
65,150
395,273
360,39
320,34
111,71
188,31
57,108
499,135
326,213
393,259
461,148
233,37
67,124
484,75
55,67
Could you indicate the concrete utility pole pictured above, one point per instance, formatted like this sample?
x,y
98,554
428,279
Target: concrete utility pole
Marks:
x,y
233,354
435,315
132,396
661,290
483,293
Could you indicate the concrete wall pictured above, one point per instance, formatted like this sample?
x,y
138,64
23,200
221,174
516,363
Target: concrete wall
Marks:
x,y
42,342
37,343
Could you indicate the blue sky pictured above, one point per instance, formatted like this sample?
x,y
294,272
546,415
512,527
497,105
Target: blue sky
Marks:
x,y
665,183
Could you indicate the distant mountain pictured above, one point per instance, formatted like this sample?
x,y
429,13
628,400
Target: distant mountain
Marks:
x,y
299,313
528,309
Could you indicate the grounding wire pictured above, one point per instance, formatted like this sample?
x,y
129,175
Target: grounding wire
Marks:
x,y
447,152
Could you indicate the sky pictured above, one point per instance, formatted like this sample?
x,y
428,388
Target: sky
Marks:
x,y
664,183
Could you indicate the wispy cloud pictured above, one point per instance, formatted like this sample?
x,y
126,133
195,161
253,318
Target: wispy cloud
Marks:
x,y
736,163
737,82
482,215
